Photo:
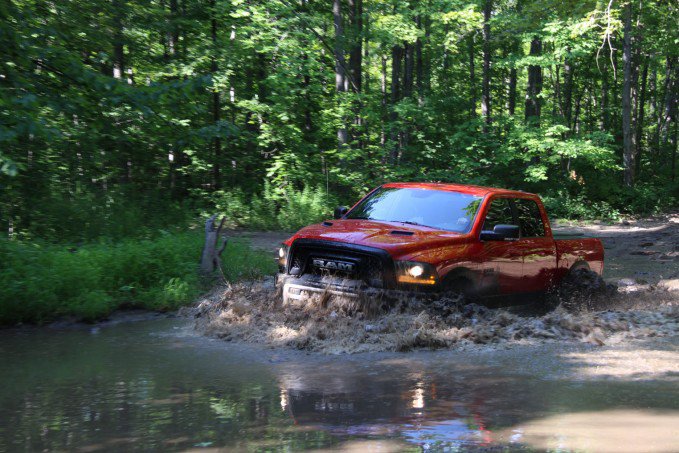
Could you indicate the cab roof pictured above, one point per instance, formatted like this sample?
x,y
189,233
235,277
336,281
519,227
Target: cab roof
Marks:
x,y
463,188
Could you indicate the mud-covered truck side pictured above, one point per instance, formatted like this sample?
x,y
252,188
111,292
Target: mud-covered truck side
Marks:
x,y
484,242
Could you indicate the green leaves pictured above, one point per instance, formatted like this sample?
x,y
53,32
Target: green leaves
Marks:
x,y
395,28
7,166
72,135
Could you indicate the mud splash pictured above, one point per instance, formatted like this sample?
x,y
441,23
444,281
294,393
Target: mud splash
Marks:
x,y
252,312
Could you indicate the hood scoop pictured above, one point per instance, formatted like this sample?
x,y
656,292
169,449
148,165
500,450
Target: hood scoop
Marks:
x,y
327,223
402,233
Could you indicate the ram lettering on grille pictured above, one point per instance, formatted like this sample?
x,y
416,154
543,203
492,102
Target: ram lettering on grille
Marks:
x,y
333,265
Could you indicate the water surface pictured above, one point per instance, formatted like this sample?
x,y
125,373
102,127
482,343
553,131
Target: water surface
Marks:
x,y
155,385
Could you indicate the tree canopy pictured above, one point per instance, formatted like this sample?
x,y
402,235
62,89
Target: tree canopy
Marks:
x,y
103,102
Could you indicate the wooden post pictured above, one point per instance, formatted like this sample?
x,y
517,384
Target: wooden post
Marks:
x,y
211,258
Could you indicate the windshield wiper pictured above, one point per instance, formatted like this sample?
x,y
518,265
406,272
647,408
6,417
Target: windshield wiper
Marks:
x,y
407,222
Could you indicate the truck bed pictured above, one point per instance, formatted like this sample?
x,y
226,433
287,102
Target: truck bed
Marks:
x,y
579,251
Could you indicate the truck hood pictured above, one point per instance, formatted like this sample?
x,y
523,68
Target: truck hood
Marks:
x,y
397,238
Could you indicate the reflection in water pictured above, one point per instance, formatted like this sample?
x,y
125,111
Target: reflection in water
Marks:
x,y
418,397
284,399
154,385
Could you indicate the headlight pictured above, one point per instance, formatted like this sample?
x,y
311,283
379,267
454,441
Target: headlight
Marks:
x,y
417,273
282,256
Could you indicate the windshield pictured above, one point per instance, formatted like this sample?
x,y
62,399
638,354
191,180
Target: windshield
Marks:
x,y
443,210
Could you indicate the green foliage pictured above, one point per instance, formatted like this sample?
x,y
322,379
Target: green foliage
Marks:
x,y
41,281
116,215
285,209
122,119
642,200
565,206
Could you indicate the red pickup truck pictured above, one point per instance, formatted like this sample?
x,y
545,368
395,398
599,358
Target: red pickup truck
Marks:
x,y
483,242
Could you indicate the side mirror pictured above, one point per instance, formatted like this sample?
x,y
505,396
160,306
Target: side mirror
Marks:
x,y
340,211
501,233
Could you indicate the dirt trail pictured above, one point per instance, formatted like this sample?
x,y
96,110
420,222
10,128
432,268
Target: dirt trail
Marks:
x,y
642,260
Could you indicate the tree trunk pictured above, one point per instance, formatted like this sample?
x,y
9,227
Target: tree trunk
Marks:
x,y
182,32
118,41
216,102
367,56
419,65
384,104
674,117
513,76
408,70
396,55
173,32
408,83
576,113
341,80
673,145
568,89
511,95
446,54
654,113
426,82
356,65
670,99
306,86
556,82
603,123
472,78
640,116
356,53
485,89
628,137
533,102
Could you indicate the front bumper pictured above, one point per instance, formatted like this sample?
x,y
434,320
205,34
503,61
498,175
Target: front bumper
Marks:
x,y
298,289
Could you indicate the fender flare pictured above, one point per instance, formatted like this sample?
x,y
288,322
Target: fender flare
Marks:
x,y
579,264
460,274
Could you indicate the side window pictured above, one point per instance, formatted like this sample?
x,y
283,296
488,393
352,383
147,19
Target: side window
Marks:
x,y
499,213
530,219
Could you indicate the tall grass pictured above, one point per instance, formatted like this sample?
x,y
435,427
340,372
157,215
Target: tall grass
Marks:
x,y
40,282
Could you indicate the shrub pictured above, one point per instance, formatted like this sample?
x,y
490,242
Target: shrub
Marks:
x,y
286,209
42,281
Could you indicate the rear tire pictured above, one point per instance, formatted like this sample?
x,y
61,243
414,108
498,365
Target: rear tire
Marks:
x,y
580,289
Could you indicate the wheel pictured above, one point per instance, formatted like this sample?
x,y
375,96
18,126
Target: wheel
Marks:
x,y
580,289
454,295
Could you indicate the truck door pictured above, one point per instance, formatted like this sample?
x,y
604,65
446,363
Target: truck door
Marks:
x,y
502,266
538,250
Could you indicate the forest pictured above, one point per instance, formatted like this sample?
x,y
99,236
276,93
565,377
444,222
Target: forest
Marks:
x,y
128,119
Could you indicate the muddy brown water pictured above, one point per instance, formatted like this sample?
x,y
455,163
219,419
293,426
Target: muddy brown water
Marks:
x,y
157,385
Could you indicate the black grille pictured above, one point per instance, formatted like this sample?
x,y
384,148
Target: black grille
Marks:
x,y
322,258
